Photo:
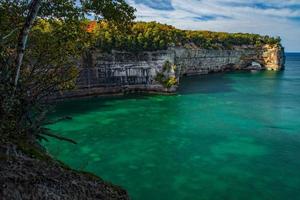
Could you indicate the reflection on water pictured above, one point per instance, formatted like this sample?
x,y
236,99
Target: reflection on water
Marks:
x,y
211,83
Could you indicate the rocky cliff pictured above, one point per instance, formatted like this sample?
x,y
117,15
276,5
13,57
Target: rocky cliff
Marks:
x,y
119,72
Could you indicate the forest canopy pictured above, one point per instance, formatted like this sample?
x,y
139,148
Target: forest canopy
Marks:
x,y
151,36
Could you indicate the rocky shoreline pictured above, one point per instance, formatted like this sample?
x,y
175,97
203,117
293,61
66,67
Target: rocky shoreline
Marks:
x,y
28,174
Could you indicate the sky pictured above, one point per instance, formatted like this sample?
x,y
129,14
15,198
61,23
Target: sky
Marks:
x,y
267,17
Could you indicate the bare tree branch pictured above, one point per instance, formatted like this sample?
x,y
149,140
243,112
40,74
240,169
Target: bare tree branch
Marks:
x,y
59,137
8,35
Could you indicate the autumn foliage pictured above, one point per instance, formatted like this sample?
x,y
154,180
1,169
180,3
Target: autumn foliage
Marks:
x,y
91,26
152,36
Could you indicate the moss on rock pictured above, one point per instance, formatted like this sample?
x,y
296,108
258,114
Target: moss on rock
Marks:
x,y
167,77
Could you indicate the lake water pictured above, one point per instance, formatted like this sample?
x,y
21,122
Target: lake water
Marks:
x,y
224,136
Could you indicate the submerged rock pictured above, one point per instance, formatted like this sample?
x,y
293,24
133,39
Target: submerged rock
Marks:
x,y
24,176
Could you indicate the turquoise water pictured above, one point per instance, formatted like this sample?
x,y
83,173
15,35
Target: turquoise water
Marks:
x,y
224,136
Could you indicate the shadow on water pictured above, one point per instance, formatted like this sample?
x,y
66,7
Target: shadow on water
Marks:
x,y
68,108
211,83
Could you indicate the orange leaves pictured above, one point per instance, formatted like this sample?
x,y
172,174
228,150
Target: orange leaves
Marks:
x,y
91,26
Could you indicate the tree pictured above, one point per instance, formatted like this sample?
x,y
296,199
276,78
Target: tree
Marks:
x,y
33,10
41,41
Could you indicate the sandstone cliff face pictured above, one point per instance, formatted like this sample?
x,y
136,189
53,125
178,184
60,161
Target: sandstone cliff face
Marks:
x,y
200,61
119,72
273,57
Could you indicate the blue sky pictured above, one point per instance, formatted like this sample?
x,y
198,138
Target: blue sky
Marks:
x,y
269,17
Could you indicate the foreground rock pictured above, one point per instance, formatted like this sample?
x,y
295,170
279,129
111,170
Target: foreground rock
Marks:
x,y
39,177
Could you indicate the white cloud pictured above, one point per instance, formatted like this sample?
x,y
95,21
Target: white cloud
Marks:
x,y
275,17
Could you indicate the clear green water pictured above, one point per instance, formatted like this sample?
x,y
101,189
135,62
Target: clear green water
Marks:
x,y
224,136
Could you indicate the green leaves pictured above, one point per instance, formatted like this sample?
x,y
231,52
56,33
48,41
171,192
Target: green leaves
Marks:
x,y
60,9
117,11
56,40
152,36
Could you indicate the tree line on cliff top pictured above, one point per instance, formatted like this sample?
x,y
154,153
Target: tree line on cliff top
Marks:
x,y
151,36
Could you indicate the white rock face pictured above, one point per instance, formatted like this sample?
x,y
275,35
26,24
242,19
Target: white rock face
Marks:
x,y
199,61
118,72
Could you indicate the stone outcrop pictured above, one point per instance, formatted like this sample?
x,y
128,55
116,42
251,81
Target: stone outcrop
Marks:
x,y
273,57
121,72
35,177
